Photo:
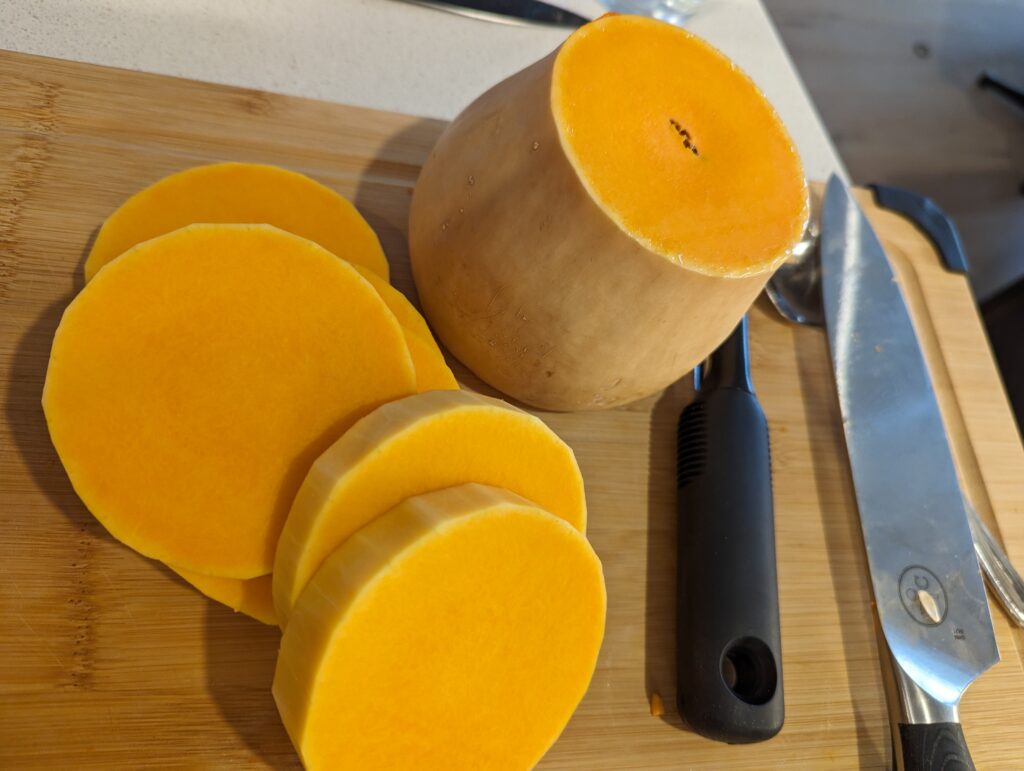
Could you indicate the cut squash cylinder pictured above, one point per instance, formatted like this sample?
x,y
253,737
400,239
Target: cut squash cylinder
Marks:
x,y
589,229
240,193
194,380
458,631
412,446
252,596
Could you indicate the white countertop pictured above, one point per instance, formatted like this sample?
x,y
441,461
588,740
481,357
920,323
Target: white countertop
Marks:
x,y
372,53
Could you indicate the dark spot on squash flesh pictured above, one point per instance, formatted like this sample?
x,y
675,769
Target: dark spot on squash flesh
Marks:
x,y
688,142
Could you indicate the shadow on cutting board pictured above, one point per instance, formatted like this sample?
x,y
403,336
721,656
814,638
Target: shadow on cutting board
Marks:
x,y
842,537
24,410
660,591
385,192
383,197
240,657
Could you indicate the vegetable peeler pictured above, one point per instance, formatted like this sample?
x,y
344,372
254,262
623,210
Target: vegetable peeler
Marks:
x,y
728,646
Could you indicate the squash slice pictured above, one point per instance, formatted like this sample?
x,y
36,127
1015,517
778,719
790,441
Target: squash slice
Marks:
x,y
458,631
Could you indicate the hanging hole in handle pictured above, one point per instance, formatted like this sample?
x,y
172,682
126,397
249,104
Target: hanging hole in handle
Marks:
x,y
748,669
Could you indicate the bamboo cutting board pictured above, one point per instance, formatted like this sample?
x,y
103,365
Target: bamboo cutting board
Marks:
x,y
107,660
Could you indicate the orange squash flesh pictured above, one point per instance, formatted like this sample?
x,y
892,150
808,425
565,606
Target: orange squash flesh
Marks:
x,y
458,631
252,596
432,372
194,380
412,446
257,193
239,193
678,146
399,304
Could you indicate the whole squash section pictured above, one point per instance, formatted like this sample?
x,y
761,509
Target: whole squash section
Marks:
x,y
645,191
252,596
458,631
240,193
412,446
194,380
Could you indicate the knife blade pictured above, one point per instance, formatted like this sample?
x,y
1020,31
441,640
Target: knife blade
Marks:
x,y
928,589
507,11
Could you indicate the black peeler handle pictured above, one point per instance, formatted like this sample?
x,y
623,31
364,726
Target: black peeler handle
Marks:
x,y
728,644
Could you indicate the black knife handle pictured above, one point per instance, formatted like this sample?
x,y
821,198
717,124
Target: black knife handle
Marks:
x,y
728,644
934,747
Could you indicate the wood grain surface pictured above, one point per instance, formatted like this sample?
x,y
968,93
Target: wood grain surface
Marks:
x,y
107,660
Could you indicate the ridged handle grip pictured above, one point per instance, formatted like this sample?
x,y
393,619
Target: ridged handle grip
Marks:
x,y
728,641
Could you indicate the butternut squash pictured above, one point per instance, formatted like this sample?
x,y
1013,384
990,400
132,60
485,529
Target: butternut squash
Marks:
x,y
239,193
194,380
592,227
458,631
252,596
257,193
412,446
432,372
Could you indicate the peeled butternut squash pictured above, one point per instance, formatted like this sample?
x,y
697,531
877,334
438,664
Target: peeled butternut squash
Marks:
x,y
257,193
399,304
592,227
412,446
458,631
193,381
240,193
252,596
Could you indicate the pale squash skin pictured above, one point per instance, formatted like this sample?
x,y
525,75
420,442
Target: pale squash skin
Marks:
x,y
532,285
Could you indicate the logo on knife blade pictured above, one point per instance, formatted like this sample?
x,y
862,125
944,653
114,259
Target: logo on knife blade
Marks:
x,y
923,595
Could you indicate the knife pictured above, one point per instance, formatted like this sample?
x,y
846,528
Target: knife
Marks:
x,y
507,11
928,589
